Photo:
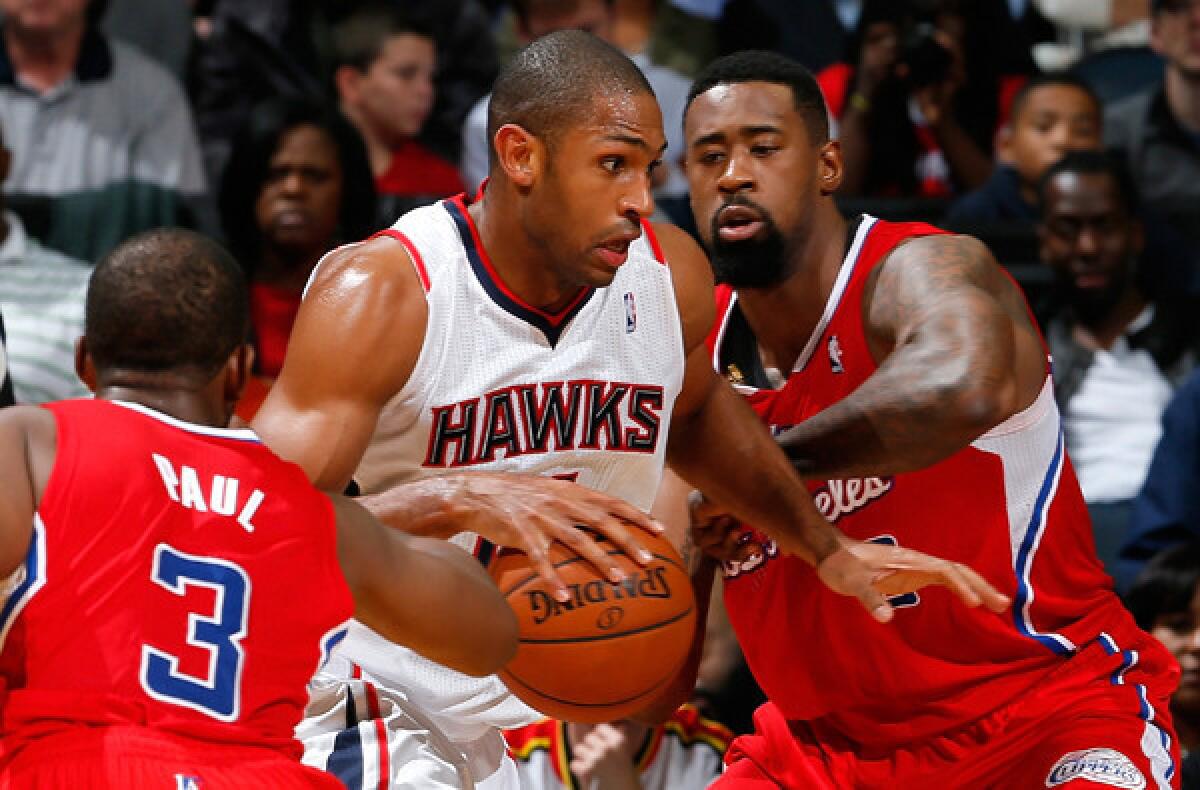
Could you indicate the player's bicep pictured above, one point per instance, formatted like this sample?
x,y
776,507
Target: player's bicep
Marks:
x,y
355,341
936,309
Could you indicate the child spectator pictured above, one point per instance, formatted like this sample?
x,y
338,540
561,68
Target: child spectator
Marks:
x,y
1051,115
384,79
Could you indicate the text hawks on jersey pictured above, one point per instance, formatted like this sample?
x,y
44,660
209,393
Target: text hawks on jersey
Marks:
x,y
581,414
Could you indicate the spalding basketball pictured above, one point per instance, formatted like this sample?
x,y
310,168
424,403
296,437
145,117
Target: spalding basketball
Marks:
x,y
608,650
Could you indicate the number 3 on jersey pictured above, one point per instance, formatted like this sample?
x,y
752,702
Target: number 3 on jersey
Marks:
x,y
219,632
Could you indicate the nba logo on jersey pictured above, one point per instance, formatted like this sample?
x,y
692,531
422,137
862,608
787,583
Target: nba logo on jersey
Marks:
x,y
183,782
630,312
835,355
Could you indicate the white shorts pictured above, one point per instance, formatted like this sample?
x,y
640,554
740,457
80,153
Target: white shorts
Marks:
x,y
371,738
424,736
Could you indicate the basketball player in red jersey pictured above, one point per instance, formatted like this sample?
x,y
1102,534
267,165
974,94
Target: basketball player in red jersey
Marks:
x,y
902,374
518,277
171,584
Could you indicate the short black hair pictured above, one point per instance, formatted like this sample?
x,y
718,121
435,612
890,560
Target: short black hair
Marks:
x,y
359,38
550,85
249,165
1065,79
166,300
756,65
1166,585
1096,162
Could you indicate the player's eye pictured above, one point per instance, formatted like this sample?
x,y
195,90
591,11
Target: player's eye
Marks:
x,y
711,157
762,149
613,164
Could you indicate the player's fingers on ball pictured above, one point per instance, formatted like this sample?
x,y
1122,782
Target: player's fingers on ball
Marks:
x,y
585,546
625,539
537,547
628,513
608,735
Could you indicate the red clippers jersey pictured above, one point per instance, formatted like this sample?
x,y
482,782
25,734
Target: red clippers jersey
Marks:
x,y
1008,505
180,577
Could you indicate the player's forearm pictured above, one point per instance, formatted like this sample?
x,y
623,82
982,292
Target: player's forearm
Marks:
x,y
723,450
430,507
914,411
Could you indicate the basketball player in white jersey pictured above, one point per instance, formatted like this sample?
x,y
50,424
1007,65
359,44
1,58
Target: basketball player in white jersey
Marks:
x,y
543,327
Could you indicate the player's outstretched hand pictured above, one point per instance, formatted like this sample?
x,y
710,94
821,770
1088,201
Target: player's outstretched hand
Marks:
x,y
528,513
718,534
873,570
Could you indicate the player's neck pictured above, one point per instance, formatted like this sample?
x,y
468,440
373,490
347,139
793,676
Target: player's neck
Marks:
x,y
785,315
519,262
174,400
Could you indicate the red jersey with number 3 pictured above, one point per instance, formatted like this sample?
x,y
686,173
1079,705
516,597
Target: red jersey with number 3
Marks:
x,y
1007,505
179,577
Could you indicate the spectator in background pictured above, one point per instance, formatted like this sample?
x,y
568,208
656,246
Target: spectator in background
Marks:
x,y
247,51
1165,601
1051,115
1167,510
536,18
99,132
384,79
42,294
297,184
920,97
684,753
466,67
1117,354
1158,131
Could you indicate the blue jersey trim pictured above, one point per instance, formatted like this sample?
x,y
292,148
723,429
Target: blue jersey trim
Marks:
x,y
34,568
1033,533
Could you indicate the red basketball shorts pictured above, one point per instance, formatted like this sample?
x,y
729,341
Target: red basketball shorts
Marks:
x,y
1099,721
99,758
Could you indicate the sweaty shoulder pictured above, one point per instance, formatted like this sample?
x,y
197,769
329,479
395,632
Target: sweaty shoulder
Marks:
x,y
380,262
693,280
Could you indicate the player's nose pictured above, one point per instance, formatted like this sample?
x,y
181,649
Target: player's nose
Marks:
x,y
736,176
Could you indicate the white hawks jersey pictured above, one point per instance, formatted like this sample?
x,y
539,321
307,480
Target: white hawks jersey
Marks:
x,y
585,394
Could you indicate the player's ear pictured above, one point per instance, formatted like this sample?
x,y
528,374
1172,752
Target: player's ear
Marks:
x,y
519,154
829,167
85,368
237,374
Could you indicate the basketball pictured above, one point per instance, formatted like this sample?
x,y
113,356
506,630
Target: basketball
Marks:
x,y
606,651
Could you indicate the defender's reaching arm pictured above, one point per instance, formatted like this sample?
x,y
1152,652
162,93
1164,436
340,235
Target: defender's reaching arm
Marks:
x,y
959,355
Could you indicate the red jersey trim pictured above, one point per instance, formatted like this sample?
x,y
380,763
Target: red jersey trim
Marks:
x,y
652,237
417,261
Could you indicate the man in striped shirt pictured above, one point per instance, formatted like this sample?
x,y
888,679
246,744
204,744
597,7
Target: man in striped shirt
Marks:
x,y
42,296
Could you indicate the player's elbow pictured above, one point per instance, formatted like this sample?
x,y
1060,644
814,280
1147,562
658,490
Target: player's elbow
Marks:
x,y
495,644
977,408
